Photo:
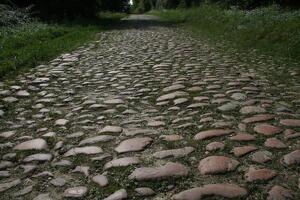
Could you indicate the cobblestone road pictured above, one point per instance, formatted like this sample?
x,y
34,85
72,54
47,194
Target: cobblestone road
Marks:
x,y
149,112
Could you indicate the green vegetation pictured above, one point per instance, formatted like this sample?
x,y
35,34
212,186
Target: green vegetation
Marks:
x,y
30,44
146,5
71,9
271,30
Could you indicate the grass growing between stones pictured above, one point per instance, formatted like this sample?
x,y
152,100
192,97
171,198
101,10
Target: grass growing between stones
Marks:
x,y
270,30
31,44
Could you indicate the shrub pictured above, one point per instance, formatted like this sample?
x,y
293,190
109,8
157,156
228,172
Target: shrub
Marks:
x,y
71,9
10,16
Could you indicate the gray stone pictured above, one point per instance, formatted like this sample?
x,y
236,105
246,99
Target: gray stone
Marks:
x,y
122,162
134,144
101,180
169,170
41,157
58,182
45,196
144,191
8,185
118,195
96,139
76,192
35,144
176,153
83,150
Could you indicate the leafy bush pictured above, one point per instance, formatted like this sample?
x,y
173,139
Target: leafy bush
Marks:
x,y
71,9
146,5
10,16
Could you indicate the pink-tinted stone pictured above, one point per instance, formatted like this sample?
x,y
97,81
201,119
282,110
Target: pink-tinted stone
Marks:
x,y
258,118
144,191
40,157
215,146
290,122
171,138
122,162
154,173
242,127
267,129
217,190
292,158
176,153
259,174
241,151
261,156
112,129
173,88
252,110
36,144
75,192
172,95
101,180
243,137
280,193
217,164
274,143
212,133
118,195
82,169
134,144
83,150
7,185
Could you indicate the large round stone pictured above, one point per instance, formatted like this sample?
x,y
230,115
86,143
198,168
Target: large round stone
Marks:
x,y
217,164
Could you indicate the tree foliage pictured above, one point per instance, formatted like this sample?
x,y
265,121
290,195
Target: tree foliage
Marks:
x,y
146,5
57,9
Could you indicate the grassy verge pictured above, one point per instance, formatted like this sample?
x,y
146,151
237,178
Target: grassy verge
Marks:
x,y
33,43
270,30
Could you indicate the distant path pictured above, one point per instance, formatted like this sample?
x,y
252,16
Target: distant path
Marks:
x,y
171,110
142,17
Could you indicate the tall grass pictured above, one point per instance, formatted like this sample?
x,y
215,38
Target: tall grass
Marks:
x,y
29,44
271,30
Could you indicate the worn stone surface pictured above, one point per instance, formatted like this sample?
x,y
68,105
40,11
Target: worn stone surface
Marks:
x,y
7,185
267,129
217,164
292,158
118,195
274,143
76,192
243,137
263,174
134,144
44,196
36,144
280,193
217,190
211,133
155,173
177,153
122,162
241,151
101,180
83,150
58,182
290,122
41,157
261,156
215,146
144,191
151,102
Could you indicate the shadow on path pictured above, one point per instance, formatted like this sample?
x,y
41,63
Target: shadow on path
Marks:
x,y
140,22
